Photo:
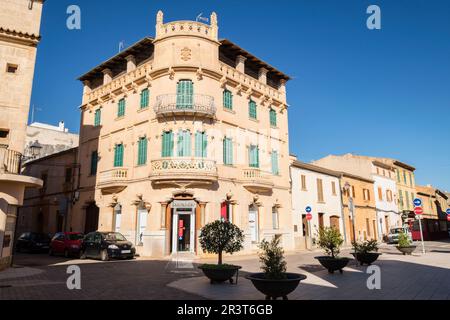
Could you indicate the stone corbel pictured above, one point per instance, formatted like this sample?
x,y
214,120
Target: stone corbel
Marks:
x,y
239,89
171,73
113,97
249,93
277,204
140,201
115,201
223,82
256,201
149,80
200,74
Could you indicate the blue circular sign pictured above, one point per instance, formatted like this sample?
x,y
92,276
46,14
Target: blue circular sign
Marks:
x,y
448,212
308,209
418,202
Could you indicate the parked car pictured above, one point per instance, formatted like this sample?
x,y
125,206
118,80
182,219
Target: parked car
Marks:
x,y
33,242
106,246
66,243
392,237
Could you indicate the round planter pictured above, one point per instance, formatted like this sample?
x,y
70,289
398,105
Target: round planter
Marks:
x,y
333,264
366,258
220,275
274,289
407,250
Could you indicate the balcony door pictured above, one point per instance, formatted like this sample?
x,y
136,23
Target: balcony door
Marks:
x,y
185,94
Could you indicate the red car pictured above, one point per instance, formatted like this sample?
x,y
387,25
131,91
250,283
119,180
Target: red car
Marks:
x,y
66,243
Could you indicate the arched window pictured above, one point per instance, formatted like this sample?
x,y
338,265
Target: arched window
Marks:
x,y
185,94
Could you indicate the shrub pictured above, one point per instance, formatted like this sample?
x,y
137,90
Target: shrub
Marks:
x,y
403,240
221,236
366,247
330,239
272,259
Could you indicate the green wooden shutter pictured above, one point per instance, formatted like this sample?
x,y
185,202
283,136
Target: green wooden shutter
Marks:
x,y
98,116
185,94
273,118
227,100
275,167
144,98
228,151
201,145
94,163
118,156
142,151
254,156
167,145
121,108
184,143
252,109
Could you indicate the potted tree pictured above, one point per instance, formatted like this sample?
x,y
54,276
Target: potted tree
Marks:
x,y
366,252
274,282
330,239
405,245
219,237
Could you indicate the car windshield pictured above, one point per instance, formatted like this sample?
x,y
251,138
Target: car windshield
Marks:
x,y
114,236
40,237
74,237
397,231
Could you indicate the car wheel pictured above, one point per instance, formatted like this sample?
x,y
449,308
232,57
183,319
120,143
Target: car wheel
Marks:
x,y
66,253
104,255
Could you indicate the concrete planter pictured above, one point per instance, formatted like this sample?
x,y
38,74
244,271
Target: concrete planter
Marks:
x,y
274,289
366,257
333,264
407,251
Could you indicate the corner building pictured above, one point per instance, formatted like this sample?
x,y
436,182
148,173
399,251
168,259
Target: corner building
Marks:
x,y
179,131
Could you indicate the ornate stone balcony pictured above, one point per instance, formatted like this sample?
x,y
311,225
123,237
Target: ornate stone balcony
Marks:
x,y
114,180
183,170
10,160
170,105
256,180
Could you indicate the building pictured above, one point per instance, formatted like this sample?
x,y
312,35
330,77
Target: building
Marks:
x,y
45,210
384,187
178,131
19,37
43,140
320,189
434,220
360,210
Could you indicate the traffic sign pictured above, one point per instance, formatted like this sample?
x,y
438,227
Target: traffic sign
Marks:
x,y
309,217
417,202
448,211
448,218
418,211
308,209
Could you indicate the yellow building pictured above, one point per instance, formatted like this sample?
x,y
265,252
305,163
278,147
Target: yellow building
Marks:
x,y
178,131
19,37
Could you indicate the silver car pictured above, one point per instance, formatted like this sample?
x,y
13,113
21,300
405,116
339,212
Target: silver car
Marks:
x,y
393,235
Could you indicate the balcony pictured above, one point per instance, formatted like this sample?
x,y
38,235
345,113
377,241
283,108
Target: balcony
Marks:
x,y
113,181
184,171
197,105
10,161
256,180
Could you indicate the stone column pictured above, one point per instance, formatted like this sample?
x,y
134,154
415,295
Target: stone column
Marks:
x,y
164,215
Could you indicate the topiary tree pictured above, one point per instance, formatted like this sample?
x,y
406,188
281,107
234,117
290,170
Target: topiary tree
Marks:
x,y
403,240
221,236
330,239
366,246
272,259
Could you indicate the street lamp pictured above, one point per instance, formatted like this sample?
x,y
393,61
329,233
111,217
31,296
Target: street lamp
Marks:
x,y
35,149
351,208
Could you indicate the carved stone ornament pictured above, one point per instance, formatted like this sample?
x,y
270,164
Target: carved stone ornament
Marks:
x,y
186,54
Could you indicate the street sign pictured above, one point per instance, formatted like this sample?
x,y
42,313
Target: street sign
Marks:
x,y
309,217
308,209
448,218
417,202
448,211
418,211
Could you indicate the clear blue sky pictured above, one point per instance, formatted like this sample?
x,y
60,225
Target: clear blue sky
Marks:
x,y
380,93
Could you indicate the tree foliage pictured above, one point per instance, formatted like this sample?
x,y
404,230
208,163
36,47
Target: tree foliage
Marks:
x,y
330,239
403,240
366,246
221,236
272,259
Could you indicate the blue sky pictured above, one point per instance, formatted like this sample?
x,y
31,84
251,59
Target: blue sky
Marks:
x,y
382,93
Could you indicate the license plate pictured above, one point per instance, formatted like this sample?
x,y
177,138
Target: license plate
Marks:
x,y
126,251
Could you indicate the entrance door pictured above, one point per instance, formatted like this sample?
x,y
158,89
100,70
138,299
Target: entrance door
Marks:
x,y
321,223
117,217
183,231
91,222
253,224
142,226
334,223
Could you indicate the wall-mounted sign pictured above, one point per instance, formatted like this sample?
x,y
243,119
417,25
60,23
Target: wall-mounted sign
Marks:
x,y
184,204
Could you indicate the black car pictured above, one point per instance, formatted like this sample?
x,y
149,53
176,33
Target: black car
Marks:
x,y
106,246
33,242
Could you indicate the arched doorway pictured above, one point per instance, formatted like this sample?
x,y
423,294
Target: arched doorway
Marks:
x,y
91,220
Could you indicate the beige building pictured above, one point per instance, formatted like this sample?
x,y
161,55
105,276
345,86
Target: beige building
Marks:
x,y
183,129
45,210
19,37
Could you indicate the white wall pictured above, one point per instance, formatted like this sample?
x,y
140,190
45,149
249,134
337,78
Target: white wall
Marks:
x,y
384,207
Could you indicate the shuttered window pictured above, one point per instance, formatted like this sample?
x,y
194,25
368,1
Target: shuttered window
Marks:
x,y
320,190
333,188
201,145
142,151
98,118
167,145
185,94
118,155
303,177
252,110
254,156
273,118
275,166
380,194
184,143
228,151
144,98
121,108
94,163
227,100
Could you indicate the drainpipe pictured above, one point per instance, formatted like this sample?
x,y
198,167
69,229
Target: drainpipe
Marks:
x,y
342,208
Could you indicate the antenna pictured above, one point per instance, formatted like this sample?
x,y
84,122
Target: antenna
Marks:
x,y
121,46
33,109
200,18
